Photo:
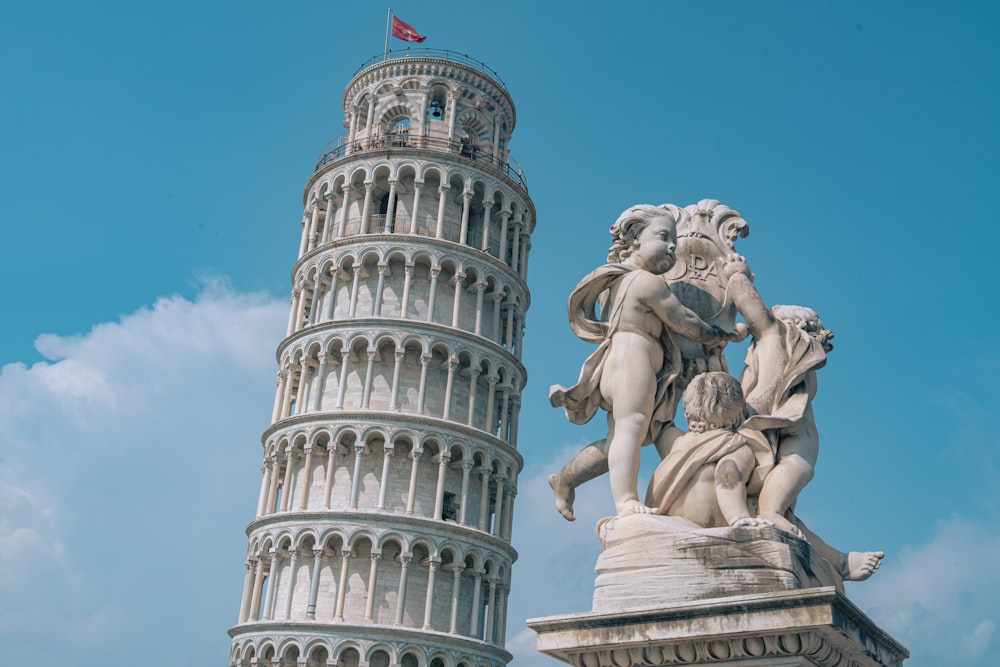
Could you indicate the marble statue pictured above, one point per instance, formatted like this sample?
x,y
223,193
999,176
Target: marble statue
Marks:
x,y
630,312
661,312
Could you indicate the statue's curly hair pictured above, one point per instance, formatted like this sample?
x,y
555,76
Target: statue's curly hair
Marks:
x,y
630,224
713,401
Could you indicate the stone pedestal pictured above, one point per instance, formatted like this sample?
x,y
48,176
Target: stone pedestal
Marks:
x,y
816,627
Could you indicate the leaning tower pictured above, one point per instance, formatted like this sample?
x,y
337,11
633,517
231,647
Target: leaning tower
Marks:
x,y
382,531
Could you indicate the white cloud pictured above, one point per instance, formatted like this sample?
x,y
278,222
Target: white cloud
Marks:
x,y
128,464
940,599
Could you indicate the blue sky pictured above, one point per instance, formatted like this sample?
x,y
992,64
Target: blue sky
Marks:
x,y
153,160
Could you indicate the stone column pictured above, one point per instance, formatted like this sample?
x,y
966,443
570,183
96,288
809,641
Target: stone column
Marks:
x,y
366,394
502,251
377,305
466,472
404,563
404,307
443,459
490,609
457,301
477,591
331,451
473,384
508,341
293,563
504,415
480,288
286,485
456,571
501,633
342,222
452,365
272,491
371,119
508,526
359,451
272,587
390,212
417,186
248,581
411,496
314,302
313,223
258,583
366,209
515,410
425,360
265,481
490,400
463,235
484,502
355,286
332,300
435,272
516,245
501,493
388,452
495,333
342,387
300,306
352,132
320,381
372,578
442,194
286,401
342,584
397,365
293,308
304,240
327,219
452,104
279,393
314,582
487,211
307,478
300,394
429,604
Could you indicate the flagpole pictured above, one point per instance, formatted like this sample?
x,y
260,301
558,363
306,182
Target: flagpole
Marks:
x,y
388,19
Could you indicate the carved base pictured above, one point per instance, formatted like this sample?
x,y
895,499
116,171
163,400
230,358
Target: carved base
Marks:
x,y
652,561
818,627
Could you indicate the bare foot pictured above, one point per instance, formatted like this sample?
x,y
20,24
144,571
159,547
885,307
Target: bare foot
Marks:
x,y
635,507
751,522
781,523
862,564
565,495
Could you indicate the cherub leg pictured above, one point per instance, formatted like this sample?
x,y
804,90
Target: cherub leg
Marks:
x,y
731,474
590,462
624,447
852,565
798,448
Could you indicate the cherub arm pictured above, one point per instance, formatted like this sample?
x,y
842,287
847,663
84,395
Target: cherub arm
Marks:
x,y
678,317
759,318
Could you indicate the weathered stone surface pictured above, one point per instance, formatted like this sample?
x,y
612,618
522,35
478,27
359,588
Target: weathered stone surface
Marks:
x,y
816,626
650,561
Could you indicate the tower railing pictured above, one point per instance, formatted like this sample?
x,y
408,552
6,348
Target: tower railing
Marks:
x,y
341,147
440,54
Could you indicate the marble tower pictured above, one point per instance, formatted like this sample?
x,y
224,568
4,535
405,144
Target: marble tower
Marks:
x,y
383,524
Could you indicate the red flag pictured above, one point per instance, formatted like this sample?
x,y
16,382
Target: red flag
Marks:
x,y
405,31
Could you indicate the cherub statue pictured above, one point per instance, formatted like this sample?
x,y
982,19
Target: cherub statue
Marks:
x,y
632,374
779,381
684,483
711,470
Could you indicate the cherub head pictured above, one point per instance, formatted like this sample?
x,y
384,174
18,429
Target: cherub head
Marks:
x,y
714,401
807,320
646,235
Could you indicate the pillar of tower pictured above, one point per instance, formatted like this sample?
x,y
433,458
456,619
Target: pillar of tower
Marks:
x,y
385,508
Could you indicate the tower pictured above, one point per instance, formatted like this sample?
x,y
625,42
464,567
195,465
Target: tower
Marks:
x,y
382,531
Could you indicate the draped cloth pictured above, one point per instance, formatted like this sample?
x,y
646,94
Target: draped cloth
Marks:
x,y
690,453
786,403
581,401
